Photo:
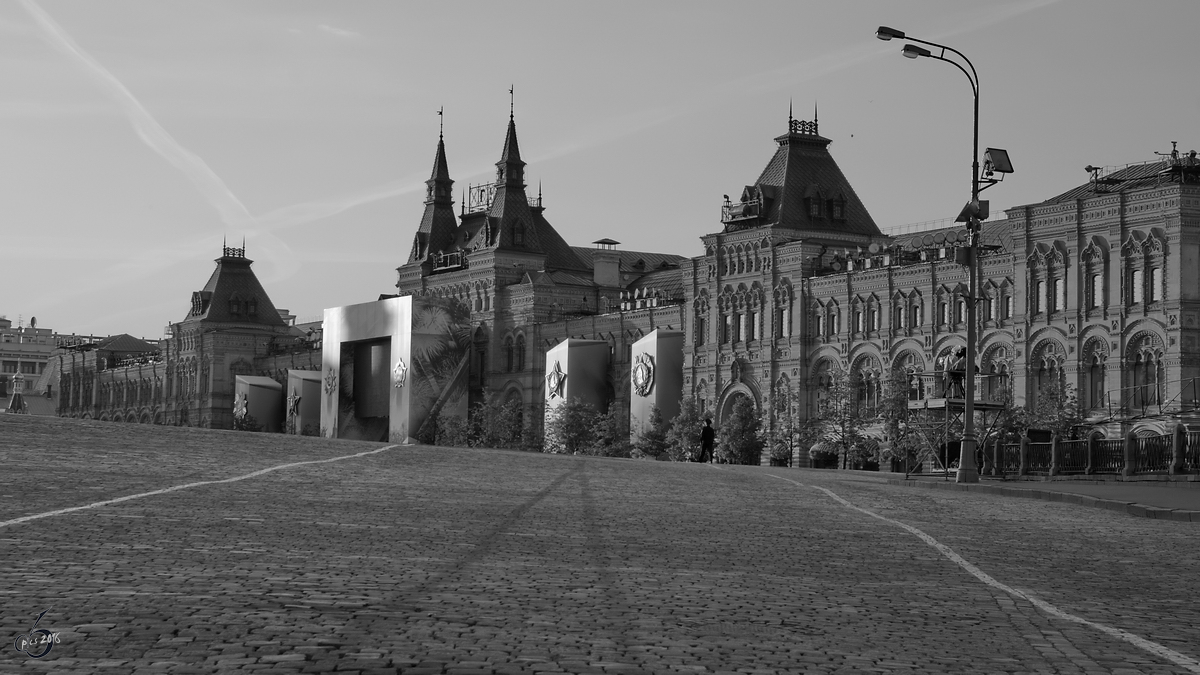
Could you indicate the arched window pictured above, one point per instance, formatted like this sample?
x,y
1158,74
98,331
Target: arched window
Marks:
x,y
509,362
520,348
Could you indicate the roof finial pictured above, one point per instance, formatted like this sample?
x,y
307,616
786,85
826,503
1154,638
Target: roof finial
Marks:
x,y
789,114
539,192
441,121
243,245
814,112
511,99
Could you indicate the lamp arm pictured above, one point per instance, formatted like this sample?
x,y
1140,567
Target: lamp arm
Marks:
x,y
973,80
972,76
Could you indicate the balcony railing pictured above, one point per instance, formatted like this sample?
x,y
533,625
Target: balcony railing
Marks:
x,y
453,260
731,211
479,197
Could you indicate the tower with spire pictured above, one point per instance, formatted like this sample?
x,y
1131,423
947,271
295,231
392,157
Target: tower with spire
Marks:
x,y
438,226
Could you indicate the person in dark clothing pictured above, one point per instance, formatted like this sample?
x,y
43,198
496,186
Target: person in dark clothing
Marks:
x,y
707,436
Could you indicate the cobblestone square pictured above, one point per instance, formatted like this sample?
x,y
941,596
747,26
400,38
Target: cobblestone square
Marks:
x,y
435,560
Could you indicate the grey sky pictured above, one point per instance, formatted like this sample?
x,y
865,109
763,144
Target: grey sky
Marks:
x,y
137,135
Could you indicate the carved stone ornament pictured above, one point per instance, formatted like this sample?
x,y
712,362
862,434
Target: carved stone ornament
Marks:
x,y
735,372
555,381
331,381
643,374
400,373
240,408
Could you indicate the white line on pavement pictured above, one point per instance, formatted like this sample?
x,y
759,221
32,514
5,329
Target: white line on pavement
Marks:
x,y
59,512
1171,655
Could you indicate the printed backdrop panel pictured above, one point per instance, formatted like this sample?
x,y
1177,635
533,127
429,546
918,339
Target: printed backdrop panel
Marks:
x,y
262,399
578,369
426,344
655,378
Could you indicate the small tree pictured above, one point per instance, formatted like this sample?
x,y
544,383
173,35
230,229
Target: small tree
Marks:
x,y
496,424
569,427
739,438
246,422
653,443
901,427
453,430
683,435
841,419
610,435
784,430
1057,410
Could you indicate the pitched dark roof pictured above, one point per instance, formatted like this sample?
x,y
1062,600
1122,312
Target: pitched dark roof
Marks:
x,y
803,169
126,343
668,281
559,255
631,261
1133,177
233,279
992,233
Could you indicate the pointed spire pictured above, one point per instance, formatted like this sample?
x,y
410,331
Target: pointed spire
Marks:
x,y
510,170
438,187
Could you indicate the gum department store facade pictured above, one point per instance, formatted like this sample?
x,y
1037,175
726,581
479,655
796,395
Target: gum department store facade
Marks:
x,y
1098,287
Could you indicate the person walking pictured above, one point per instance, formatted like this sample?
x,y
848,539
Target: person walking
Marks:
x,y
707,436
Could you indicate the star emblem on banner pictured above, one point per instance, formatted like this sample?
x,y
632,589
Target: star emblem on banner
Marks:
x,y
555,381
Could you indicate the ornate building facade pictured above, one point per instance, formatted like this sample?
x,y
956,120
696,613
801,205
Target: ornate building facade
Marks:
x,y
1097,288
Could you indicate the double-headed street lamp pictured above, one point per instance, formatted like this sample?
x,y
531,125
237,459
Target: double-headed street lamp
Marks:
x,y
997,162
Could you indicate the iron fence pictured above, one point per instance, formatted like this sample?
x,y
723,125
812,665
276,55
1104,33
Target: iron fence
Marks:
x,y
1110,456
1153,453
1072,456
1039,457
1191,457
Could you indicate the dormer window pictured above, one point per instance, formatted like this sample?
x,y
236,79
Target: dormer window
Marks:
x,y
235,307
518,235
814,208
252,307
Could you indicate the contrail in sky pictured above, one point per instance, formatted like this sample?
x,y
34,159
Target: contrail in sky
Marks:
x,y
232,211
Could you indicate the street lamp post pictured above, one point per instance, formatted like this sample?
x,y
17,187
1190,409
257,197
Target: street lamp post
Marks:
x,y
968,472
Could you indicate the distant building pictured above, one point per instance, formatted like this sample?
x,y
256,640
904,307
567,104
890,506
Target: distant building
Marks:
x,y
27,349
187,379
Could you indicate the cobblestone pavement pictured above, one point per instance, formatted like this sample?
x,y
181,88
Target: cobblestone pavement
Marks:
x,y
434,560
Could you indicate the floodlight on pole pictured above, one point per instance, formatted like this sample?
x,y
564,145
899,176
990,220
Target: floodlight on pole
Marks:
x,y
998,162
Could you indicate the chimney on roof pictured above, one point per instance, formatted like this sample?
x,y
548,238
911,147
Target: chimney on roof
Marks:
x,y
606,263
